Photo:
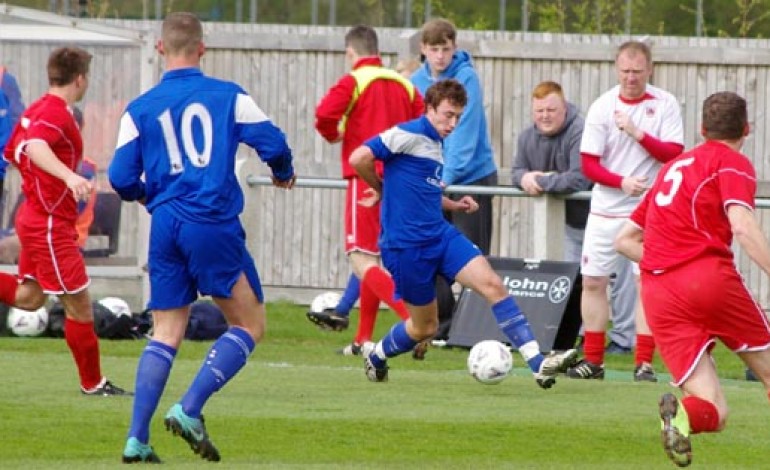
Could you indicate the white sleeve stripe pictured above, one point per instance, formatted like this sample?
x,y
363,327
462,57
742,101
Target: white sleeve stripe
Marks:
x,y
127,132
247,111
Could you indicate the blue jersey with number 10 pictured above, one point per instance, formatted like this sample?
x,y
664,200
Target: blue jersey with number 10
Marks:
x,y
183,135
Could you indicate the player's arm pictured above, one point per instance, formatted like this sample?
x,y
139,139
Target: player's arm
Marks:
x,y
629,240
465,204
749,236
362,160
332,108
254,128
125,170
42,156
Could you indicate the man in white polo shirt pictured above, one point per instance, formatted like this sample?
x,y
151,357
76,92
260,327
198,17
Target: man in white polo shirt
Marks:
x,y
629,132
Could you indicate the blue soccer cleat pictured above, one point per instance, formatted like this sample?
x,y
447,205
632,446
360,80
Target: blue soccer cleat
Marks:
x,y
136,452
192,430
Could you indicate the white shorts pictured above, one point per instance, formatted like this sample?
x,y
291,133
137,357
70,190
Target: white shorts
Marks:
x,y
599,256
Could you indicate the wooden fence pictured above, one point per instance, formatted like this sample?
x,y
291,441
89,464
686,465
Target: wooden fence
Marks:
x,y
296,237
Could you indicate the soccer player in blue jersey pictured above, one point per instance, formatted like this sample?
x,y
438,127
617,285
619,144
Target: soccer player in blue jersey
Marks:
x,y
182,135
418,244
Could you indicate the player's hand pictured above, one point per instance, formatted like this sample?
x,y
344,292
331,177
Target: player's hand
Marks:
x,y
634,185
467,204
81,188
625,124
371,198
529,183
287,184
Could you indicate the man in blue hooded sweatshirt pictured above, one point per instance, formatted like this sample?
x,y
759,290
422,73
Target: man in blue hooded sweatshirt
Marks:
x,y
468,158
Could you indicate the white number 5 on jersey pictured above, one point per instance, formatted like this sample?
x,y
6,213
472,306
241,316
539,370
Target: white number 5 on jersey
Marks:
x,y
674,174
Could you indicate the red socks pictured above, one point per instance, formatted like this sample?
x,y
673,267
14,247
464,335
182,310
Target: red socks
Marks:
x,y
645,348
84,345
593,346
8,285
376,286
703,415
367,315
383,287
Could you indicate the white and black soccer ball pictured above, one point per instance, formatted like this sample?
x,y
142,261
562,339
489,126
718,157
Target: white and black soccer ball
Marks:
x,y
490,361
325,301
27,322
116,305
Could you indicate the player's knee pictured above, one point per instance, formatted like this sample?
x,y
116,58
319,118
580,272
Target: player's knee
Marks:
x,y
30,300
594,284
423,330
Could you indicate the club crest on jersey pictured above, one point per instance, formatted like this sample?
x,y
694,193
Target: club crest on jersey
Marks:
x,y
435,180
649,112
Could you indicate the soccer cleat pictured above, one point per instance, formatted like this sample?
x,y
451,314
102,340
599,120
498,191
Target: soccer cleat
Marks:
x,y
420,350
328,320
352,349
193,431
558,362
553,364
586,370
373,373
645,373
675,430
136,452
106,389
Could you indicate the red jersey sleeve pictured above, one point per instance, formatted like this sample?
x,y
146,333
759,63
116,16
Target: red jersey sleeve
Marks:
x,y
659,150
332,107
738,182
594,171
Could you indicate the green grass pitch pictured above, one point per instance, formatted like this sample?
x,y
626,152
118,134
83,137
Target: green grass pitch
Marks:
x,y
298,405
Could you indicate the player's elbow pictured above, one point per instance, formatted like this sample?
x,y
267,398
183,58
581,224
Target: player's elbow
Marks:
x,y
360,158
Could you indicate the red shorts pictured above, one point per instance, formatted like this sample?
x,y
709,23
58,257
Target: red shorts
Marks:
x,y
50,253
362,224
689,307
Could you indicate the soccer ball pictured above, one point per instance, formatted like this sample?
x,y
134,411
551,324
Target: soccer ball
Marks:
x,y
116,305
490,361
27,322
325,301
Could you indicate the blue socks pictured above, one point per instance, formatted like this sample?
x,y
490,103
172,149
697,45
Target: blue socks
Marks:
x,y
394,343
349,297
151,377
226,357
516,328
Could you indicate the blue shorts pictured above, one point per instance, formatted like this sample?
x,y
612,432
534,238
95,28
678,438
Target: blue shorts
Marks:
x,y
186,258
414,269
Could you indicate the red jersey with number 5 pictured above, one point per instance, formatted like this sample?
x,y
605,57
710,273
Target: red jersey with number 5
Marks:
x,y
684,214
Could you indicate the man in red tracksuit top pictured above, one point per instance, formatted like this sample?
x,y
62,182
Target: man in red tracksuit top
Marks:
x,y
363,103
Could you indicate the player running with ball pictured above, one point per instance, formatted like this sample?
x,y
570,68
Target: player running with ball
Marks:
x,y
418,244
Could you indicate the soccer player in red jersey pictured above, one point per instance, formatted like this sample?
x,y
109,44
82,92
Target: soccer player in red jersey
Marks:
x,y
693,294
363,103
47,148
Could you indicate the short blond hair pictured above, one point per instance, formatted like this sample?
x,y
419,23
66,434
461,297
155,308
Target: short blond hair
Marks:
x,y
181,33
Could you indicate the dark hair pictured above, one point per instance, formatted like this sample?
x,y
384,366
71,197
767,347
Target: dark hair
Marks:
x,y
724,116
438,31
363,40
65,64
450,90
181,33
